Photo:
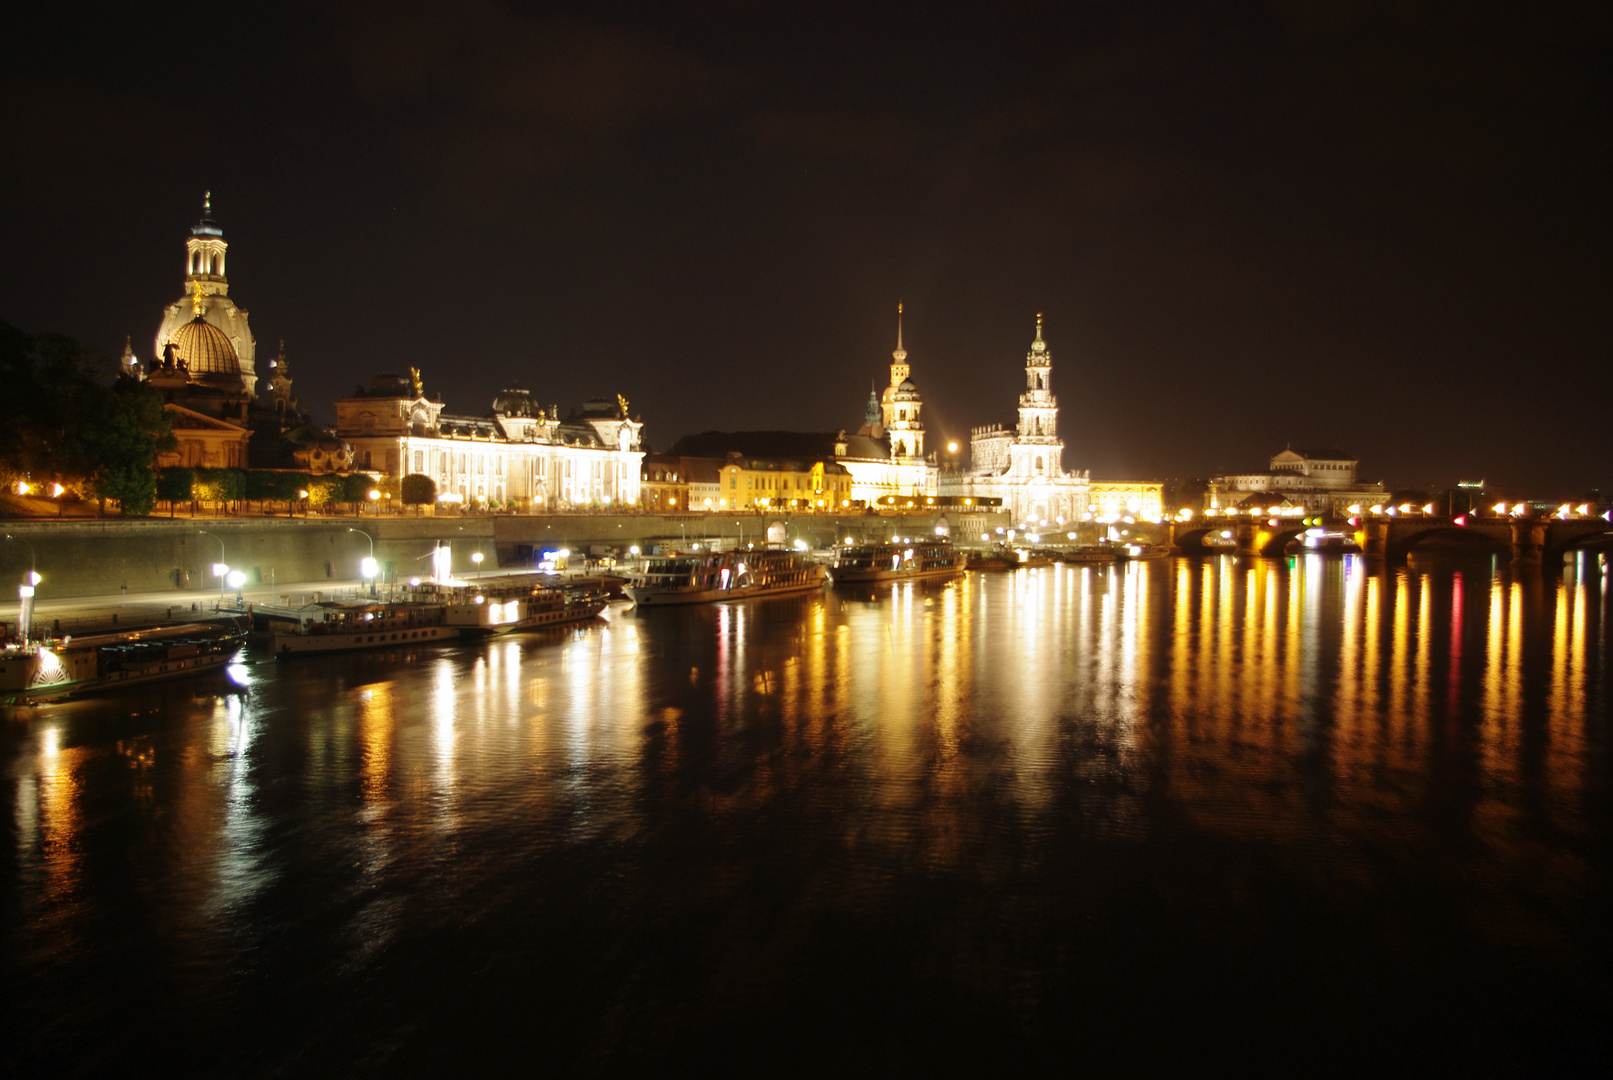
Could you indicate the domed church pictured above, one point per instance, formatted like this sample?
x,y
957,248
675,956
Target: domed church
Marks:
x,y
203,364
205,327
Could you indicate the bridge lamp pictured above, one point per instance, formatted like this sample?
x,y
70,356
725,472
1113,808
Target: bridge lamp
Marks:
x,y
56,491
1500,507
1429,509
1461,520
1272,522
1608,516
1354,508
1393,511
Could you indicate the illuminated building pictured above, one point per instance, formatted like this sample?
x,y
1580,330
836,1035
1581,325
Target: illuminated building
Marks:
x,y
518,456
1318,480
207,298
1025,467
885,458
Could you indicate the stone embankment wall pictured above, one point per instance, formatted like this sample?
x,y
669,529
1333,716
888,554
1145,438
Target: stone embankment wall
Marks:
x,y
94,558
100,557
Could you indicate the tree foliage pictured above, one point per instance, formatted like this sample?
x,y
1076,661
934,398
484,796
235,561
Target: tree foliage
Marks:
x,y
176,484
418,489
67,417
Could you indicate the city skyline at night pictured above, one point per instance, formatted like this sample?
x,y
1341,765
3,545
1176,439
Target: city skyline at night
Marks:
x,y
1248,226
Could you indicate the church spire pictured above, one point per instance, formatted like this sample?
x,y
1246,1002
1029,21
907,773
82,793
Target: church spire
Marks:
x,y
900,354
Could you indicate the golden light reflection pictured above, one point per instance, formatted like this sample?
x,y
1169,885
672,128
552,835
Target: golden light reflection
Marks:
x,y
375,714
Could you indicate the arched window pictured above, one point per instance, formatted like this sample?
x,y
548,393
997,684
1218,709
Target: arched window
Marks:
x,y
1038,464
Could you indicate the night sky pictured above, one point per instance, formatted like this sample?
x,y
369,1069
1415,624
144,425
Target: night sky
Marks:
x,y
1378,226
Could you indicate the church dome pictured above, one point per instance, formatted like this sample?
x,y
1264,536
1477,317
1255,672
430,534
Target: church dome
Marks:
x,y
514,401
906,391
205,349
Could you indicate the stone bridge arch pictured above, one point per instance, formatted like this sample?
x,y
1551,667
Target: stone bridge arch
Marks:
x,y
1452,537
1564,538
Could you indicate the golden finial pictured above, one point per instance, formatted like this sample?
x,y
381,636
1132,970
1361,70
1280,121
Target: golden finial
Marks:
x,y
198,300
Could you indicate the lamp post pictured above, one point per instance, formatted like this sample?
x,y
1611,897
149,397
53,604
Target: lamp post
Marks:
x,y
476,557
368,567
25,590
220,568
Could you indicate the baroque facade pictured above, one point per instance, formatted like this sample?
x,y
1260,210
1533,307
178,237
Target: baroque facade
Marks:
x,y
518,456
1024,466
203,364
885,457
1318,480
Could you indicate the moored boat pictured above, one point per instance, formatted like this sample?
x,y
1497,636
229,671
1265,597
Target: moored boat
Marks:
x,y
1091,553
923,561
705,578
95,663
514,604
334,627
1141,551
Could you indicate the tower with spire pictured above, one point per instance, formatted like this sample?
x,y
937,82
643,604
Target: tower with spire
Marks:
x,y
900,404
1036,449
280,384
207,296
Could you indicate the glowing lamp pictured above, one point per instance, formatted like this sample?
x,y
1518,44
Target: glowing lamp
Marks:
x,y
34,577
368,567
220,569
56,491
236,579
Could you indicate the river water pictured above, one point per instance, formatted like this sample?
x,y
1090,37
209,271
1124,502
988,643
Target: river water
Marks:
x,y
1292,816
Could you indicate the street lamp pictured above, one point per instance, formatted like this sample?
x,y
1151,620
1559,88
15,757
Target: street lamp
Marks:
x,y
368,566
25,591
220,568
476,557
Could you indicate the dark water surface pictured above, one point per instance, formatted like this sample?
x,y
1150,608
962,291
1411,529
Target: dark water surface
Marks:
x,y
1297,816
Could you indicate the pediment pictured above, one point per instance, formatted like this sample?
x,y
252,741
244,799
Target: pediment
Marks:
x,y
190,420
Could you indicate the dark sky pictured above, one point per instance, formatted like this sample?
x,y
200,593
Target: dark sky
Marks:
x,y
1381,226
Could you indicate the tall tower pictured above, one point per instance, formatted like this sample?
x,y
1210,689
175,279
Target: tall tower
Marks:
x,y
1037,447
204,254
207,294
900,404
280,384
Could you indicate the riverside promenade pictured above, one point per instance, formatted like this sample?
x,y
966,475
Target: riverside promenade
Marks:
x,y
87,614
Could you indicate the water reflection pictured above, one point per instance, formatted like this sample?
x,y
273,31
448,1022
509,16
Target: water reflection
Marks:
x,y
794,760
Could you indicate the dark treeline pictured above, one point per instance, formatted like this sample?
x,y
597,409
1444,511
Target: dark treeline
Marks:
x,y
68,417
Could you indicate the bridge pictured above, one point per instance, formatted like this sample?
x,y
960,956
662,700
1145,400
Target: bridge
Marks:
x,y
1524,540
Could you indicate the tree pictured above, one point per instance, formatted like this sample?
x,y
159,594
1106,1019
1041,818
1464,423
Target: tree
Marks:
x,y
284,486
259,486
324,490
223,487
175,484
356,488
120,449
418,490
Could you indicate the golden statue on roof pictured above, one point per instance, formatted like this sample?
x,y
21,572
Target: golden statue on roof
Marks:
x,y
621,403
414,381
